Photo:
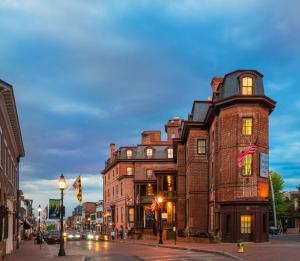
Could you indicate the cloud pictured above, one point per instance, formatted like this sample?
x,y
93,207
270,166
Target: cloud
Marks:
x,y
41,190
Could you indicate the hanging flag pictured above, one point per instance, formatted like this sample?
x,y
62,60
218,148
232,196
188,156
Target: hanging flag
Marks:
x,y
137,199
243,155
45,213
128,199
154,203
77,187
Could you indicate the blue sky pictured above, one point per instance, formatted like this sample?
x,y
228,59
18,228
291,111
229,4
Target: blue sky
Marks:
x,y
87,73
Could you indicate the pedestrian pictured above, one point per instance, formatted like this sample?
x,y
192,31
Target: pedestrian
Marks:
x,y
112,234
121,232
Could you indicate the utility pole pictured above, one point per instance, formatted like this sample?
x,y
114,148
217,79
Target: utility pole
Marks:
x,y
273,199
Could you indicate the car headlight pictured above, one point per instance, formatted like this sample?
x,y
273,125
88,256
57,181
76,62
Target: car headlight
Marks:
x,y
65,234
97,237
77,236
70,236
90,236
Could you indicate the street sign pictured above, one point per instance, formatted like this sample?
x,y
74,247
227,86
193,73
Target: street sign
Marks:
x,y
264,165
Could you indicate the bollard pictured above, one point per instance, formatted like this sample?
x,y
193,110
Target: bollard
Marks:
x,y
240,246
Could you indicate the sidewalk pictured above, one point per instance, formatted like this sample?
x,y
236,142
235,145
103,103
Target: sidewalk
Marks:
x,y
269,251
30,251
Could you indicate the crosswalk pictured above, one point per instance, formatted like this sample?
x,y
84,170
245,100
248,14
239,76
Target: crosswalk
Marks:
x,y
188,256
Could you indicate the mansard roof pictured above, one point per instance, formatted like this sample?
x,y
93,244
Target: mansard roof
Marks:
x,y
8,94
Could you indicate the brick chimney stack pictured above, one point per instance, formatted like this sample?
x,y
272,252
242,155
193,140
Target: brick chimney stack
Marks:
x,y
112,150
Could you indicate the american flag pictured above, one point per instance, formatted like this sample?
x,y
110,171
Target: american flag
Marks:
x,y
244,154
154,203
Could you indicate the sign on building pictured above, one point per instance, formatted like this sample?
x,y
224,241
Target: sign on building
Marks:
x,y
54,208
264,165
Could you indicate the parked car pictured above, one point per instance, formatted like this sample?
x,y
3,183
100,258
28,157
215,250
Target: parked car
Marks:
x,y
73,235
273,230
53,237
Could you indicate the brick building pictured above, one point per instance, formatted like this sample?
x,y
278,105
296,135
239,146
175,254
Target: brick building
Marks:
x,y
11,150
205,190
134,175
88,208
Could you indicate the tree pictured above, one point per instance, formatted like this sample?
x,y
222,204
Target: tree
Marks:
x,y
281,204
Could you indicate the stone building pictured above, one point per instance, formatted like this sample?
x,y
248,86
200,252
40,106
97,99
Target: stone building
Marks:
x,y
11,150
206,191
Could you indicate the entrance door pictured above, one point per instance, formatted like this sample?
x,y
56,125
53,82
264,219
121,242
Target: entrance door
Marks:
x,y
246,227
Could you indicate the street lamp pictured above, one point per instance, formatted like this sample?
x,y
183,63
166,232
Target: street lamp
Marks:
x,y
39,221
62,186
160,201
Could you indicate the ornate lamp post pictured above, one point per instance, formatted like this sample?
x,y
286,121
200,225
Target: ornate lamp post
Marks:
x,y
39,221
62,186
160,201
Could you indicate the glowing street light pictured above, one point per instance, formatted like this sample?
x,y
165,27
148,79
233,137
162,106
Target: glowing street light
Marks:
x,y
62,186
160,200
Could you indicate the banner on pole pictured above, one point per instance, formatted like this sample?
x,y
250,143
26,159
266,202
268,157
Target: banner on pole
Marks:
x,y
54,208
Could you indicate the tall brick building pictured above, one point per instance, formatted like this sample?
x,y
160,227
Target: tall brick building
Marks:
x,y
206,191
11,151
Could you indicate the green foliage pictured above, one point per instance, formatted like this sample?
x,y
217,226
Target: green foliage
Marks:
x,y
282,205
51,227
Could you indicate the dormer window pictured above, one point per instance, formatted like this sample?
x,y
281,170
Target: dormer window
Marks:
x,y
129,154
149,152
247,85
170,153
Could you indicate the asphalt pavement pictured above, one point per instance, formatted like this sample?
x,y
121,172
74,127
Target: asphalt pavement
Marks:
x,y
103,250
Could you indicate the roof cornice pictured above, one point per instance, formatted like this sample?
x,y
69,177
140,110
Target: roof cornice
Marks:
x,y
8,94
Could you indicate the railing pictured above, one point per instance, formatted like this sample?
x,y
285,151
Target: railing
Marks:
x,y
146,199
169,194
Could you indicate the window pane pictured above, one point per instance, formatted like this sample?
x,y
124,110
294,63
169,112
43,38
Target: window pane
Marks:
x,y
247,165
170,153
247,86
247,126
201,146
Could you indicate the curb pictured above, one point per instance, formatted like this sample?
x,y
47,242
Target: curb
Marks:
x,y
222,253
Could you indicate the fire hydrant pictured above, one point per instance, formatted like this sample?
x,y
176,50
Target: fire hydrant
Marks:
x,y
240,246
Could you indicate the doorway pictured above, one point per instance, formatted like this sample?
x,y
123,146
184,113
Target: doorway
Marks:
x,y
246,227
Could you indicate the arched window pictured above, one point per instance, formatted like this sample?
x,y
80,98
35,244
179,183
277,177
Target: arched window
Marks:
x,y
247,85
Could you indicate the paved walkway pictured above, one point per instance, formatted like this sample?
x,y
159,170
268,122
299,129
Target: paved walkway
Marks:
x,y
29,251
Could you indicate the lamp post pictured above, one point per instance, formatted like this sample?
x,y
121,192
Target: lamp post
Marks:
x,y
39,221
62,185
160,201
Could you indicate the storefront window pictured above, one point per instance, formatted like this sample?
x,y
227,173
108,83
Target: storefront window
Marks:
x,y
245,224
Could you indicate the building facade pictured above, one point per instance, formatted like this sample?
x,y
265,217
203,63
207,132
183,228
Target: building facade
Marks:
x,y
207,191
134,175
88,209
11,150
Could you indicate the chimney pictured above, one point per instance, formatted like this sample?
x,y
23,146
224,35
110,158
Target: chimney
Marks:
x,y
112,150
215,83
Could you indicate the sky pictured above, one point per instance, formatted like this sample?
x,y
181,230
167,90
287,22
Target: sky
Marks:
x,y
88,73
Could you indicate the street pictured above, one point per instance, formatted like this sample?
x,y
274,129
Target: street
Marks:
x,y
94,251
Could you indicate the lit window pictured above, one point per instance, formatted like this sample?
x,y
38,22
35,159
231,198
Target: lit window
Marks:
x,y
247,86
149,152
247,165
129,154
149,189
247,126
170,153
149,173
201,146
130,215
245,224
129,171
